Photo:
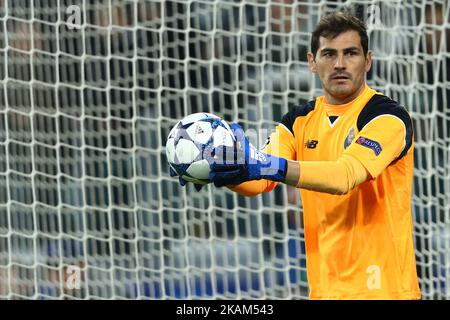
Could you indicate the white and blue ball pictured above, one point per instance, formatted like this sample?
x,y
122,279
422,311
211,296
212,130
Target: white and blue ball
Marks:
x,y
192,141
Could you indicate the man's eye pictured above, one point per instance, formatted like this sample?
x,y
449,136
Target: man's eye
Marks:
x,y
351,53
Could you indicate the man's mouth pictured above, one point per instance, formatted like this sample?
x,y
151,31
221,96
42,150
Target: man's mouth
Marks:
x,y
340,77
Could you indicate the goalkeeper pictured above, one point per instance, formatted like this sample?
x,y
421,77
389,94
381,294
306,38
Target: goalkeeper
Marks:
x,y
351,153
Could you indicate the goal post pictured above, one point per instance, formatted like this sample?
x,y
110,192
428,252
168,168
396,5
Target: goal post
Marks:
x,y
89,91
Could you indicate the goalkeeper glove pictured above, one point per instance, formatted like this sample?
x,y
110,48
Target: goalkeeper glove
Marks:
x,y
243,162
183,182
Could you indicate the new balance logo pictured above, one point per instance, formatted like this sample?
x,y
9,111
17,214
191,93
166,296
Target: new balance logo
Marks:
x,y
311,144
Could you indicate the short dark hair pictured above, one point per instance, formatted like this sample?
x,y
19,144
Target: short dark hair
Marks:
x,y
333,24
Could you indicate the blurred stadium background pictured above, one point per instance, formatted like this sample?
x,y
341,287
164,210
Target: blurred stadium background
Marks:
x,y
88,93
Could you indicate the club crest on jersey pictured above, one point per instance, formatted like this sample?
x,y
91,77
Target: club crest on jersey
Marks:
x,y
349,138
371,144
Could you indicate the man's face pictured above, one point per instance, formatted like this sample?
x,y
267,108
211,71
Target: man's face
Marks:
x,y
341,65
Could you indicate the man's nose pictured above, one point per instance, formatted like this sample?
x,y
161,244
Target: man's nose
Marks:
x,y
340,63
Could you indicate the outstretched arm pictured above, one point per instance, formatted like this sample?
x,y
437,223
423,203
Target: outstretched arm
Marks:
x,y
335,177
249,171
388,141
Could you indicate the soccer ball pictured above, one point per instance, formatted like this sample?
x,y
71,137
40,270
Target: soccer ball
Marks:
x,y
192,141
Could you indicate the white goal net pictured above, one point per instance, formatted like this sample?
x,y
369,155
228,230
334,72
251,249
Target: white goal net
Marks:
x,y
88,93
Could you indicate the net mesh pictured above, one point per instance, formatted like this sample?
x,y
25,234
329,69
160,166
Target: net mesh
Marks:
x,y
89,91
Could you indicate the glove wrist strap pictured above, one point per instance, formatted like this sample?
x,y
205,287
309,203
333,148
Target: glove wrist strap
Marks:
x,y
277,169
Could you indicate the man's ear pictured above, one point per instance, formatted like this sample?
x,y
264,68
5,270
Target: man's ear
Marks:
x,y
311,62
368,61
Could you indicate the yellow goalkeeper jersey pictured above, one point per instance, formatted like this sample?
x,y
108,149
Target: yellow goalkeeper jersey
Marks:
x,y
358,245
